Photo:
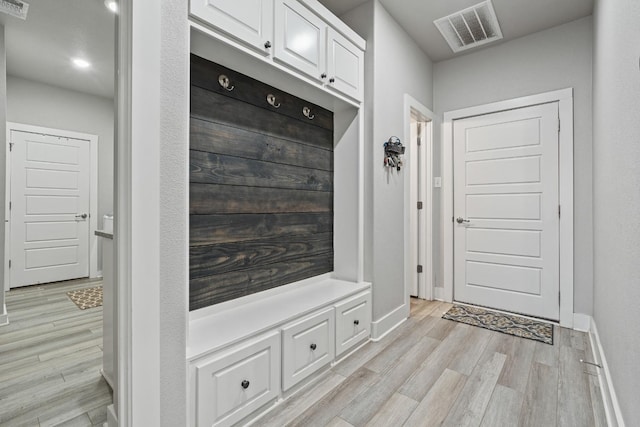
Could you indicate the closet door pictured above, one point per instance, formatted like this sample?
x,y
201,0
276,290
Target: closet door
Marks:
x,y
300,38
345,63
250,21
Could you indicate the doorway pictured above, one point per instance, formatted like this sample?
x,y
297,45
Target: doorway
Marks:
x,y
58,83
52,198
419,196
508,206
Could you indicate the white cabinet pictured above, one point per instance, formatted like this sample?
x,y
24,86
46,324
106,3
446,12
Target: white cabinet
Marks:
x,y
250,21
345,65
233,384
298,34
353,322
247,357
300,38
306,42
308,345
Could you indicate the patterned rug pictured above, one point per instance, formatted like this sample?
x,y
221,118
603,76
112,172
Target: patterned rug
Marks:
x,y
505,323
86,298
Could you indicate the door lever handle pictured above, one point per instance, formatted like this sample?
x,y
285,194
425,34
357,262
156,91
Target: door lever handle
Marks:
x,y
460,220
83,216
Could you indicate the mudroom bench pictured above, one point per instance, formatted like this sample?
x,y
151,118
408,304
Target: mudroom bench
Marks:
x,y
251,353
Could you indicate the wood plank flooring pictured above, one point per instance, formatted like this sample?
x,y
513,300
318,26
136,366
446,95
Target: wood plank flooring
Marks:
x,y
436,372
50,359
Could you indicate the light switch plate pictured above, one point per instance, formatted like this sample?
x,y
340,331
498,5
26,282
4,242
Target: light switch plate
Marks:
x,y
437,182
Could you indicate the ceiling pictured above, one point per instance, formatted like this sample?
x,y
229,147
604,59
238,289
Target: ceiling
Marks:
x,y
517,18
41,47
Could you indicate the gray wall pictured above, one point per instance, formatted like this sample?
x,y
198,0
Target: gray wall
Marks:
x,y
398,67
34,103
553,59
616,181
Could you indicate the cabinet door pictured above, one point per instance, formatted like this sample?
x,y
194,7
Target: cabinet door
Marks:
x,y
345,63
300,38
353,322
308,345
250,21
235,383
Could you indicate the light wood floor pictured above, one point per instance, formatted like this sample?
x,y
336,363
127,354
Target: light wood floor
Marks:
x,y
50,359
432,372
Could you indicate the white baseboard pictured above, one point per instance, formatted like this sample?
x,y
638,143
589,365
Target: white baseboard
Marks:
x,y
112,417
438,293
4,316
389,322
98,275
581,322
611,404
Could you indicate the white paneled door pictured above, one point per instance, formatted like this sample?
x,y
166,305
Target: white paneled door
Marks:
x,y
506,211
49,216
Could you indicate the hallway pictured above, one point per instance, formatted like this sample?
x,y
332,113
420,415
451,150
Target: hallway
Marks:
x,y
50,359
431,372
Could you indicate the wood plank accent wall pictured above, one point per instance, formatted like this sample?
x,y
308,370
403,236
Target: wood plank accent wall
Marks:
x,y
261,187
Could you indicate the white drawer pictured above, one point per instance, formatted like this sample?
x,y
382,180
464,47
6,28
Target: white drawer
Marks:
x,y
231,385
353,321
308,345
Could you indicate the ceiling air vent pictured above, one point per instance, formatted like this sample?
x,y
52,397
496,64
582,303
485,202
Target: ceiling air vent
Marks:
x,y
471,27
15,8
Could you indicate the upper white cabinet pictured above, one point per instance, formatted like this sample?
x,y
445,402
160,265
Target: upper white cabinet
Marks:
x,y
300,38
250,21
345,64
301,35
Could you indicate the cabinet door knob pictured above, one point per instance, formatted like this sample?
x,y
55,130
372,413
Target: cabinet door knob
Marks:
x,y
323,75
313,346
356,322
332,80
267,45
245,384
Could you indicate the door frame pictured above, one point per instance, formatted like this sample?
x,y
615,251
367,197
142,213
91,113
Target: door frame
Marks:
x,y
564,97
93,192
413,107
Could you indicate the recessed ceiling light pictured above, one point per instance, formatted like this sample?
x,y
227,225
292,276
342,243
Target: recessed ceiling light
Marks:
x,y
81,63
111,5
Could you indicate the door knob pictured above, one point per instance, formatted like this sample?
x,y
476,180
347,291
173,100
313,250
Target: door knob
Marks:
x,y
460,220
83,216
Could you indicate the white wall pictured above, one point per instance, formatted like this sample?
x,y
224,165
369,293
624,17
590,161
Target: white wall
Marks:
x,y
398,67
553,59
174,212
39,104
616,181
360,20
3,155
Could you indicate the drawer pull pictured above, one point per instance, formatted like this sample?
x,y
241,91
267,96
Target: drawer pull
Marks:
x,y
245,384
313,347
356,322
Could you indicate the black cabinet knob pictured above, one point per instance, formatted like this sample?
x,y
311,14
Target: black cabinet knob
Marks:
x,y
313,346
332,80
245,384
267,45
356,322
323,75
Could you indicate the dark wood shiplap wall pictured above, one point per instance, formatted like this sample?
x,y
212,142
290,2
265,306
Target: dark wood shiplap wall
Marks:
x,y
261,187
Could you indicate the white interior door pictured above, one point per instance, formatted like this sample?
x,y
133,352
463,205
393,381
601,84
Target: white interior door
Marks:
x,y
50,190
506,230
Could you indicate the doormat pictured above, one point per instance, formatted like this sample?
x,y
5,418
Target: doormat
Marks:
x,y
500,322
86,298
